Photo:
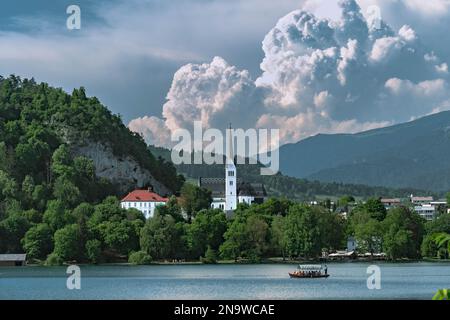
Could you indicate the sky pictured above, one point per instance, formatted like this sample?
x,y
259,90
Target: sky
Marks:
x,y
304,66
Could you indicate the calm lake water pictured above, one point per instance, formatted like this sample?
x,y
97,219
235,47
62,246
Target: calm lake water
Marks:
x,y
347,281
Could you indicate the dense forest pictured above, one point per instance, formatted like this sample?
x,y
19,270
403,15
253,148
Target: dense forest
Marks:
x,y
43,186
292,188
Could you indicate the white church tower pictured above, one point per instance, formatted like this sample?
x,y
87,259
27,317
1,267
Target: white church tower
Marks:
x,y
230,176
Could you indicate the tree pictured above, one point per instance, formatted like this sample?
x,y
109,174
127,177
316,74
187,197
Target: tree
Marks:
x,y
56,216
303,232
172,208
439,225
442,240
256,233
207,229
38,241
194,199
27,190
62,162
429,247
119,236
139,258
346,200
369,236
66,192
67,243
13,229
8,186
93,250
162,238
374,208
210,256
279,240
235,238
331,228
403,233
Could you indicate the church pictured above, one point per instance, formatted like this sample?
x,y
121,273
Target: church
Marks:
x,y
229,191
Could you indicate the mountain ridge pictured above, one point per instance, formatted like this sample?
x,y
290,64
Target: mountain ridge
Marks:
x,y
368,157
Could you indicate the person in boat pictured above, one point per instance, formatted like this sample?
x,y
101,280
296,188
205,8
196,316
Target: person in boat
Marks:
x,y
326,269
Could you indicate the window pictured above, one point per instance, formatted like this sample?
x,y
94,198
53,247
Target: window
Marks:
x,y
231,182
231,173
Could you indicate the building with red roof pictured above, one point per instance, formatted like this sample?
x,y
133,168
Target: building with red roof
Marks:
x,y
144,200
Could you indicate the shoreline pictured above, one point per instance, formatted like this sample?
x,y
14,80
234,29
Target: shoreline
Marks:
x,y
270,261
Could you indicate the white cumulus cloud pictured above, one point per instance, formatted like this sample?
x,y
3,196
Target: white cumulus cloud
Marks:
x,y
318,76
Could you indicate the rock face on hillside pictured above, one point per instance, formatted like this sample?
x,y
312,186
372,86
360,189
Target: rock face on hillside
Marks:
x,y
123,171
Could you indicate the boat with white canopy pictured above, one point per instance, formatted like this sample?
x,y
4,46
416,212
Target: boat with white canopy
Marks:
x,y
310,271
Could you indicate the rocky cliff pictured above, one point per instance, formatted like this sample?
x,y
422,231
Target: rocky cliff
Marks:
x,y
122,171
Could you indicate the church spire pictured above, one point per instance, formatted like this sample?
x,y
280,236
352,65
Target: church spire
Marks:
x,y
230,154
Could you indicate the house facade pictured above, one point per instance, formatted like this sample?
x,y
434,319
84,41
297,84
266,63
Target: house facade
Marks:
x,y
426,211
145,201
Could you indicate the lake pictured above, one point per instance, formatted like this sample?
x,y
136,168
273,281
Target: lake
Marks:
x,y
347,281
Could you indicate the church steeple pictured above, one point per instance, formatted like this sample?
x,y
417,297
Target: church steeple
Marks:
x,y
230,175
230,153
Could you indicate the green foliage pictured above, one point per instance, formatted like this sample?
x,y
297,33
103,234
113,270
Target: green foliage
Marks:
x,y
210,256
12,230
369,236
403,234
172,208
205,231
67,192
42,180
194,199
278,237
56,215
439,225
38,241
163,238
247,237
429,248
443,294
119,236
303,232
442,240
372,208
53,260
140,258
67,243
93,250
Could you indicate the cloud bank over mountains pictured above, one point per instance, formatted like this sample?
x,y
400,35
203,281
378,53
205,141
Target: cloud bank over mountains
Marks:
x,y
318,76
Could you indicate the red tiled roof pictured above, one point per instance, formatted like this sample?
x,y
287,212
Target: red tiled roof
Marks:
x,y
144,195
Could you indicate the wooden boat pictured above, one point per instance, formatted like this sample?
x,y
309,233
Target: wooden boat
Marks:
x,y
310,272
303,276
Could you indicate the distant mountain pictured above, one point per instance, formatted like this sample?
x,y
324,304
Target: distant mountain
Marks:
x,y
409,155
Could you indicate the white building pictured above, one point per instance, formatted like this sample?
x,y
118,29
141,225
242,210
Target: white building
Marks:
x,y
145,201
426,211
228,192
420,200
